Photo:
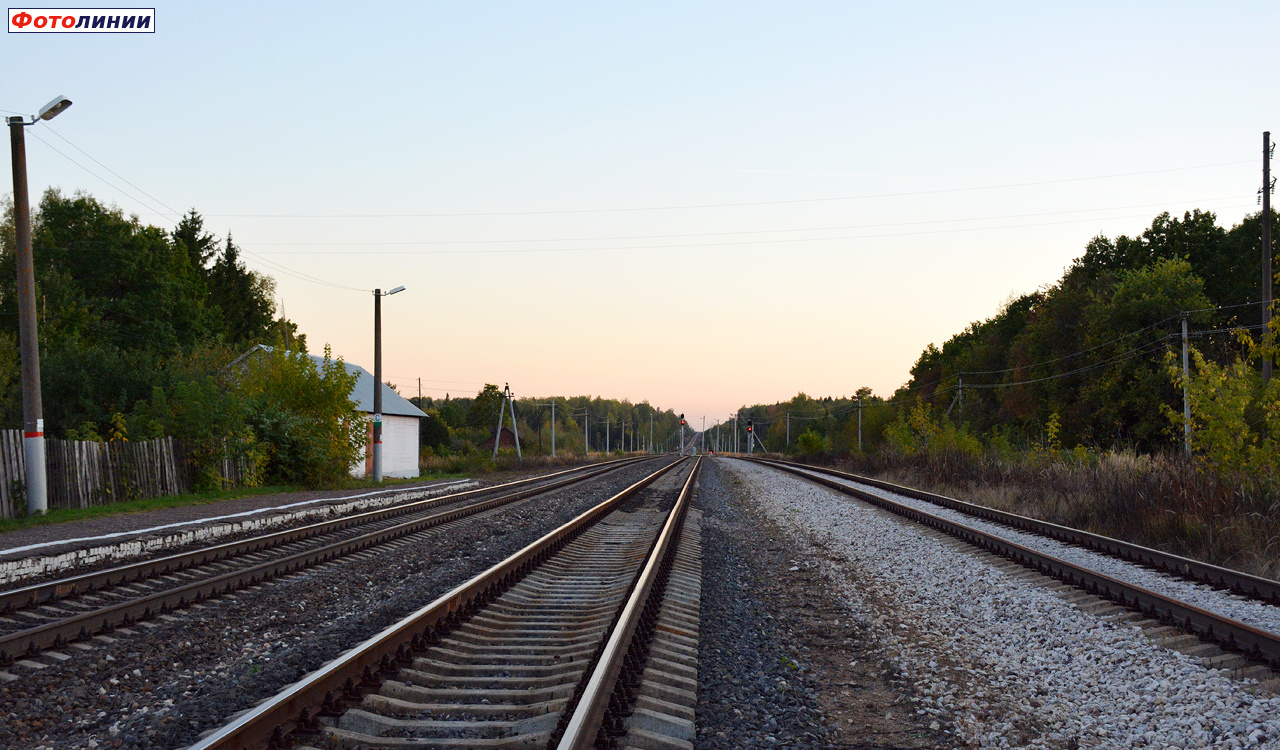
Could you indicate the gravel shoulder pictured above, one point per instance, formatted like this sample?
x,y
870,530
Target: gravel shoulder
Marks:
x,y
162,684
996,661
1249,611
783,662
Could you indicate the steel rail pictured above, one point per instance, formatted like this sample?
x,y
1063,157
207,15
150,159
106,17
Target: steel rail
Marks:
x,y
608,694
104,619
1235,581
1233,635
347,678
52,591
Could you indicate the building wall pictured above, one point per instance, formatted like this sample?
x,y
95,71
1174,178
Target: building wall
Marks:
x,y
399,449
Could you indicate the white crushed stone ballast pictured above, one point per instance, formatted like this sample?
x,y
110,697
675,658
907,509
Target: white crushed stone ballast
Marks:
x,y
998,661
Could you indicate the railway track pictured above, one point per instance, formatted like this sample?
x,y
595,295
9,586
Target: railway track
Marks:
x,y
1256,644
548,648
1237,582
53,613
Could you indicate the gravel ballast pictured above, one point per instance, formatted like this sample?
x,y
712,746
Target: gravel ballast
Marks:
x,y
999,662
172,679
1249,611
781,663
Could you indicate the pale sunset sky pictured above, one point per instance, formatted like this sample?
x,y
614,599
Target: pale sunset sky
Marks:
x,y
700,205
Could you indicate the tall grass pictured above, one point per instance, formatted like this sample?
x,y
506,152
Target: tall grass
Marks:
x,y
1160,501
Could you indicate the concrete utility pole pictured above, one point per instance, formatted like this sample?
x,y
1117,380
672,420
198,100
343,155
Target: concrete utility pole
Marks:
x,y
553,428
788,429
35,478
29,342
515,427
606,434
859,424
497,433
1186,402
1268,280
377,385
507,402
586,432
378,379
651,432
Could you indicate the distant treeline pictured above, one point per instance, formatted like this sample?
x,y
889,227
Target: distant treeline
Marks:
x,y
460,425
1083,362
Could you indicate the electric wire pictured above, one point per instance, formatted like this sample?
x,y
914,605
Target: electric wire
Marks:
x,y
688,245
746,204
620,238
112,171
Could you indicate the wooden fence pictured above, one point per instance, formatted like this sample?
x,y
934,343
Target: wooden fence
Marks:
x,y
82,473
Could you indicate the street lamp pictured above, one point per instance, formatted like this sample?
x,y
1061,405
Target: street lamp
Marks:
x,y
32,408
378,294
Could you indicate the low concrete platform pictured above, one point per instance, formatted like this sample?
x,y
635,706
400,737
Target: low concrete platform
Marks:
x,y
54,548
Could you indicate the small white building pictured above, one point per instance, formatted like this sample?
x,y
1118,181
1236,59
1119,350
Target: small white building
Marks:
x,y
399,427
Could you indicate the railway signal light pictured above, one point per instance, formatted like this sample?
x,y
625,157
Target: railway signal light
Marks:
x,y
750,424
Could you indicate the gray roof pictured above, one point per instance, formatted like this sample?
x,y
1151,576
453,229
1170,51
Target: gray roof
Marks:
x,y
362,394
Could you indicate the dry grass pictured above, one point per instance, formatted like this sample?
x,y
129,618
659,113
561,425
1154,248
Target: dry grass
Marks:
x,y
1157,501
478,462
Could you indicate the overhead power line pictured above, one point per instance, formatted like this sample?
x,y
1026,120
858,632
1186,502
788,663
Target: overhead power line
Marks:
x,y
620,238
670,246
743,204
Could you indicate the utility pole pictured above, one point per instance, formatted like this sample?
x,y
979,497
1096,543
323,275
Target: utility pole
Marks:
x,y
29,346
553,428
606,434
788,429
1186,401
419,391
515,428
586,432
378,294
651,432
497,433
377,385
1268,280
859,424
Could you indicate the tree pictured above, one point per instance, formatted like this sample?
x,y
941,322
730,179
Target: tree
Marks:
x,y
199,245
300,410
483,413
242,297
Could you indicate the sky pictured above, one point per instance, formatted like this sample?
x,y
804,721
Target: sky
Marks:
x,y
698,205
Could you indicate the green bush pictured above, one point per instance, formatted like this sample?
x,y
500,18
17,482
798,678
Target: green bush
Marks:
x,y
302,416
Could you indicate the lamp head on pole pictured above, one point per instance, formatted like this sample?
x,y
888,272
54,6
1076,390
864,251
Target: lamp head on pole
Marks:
x,y
54,108
394,291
